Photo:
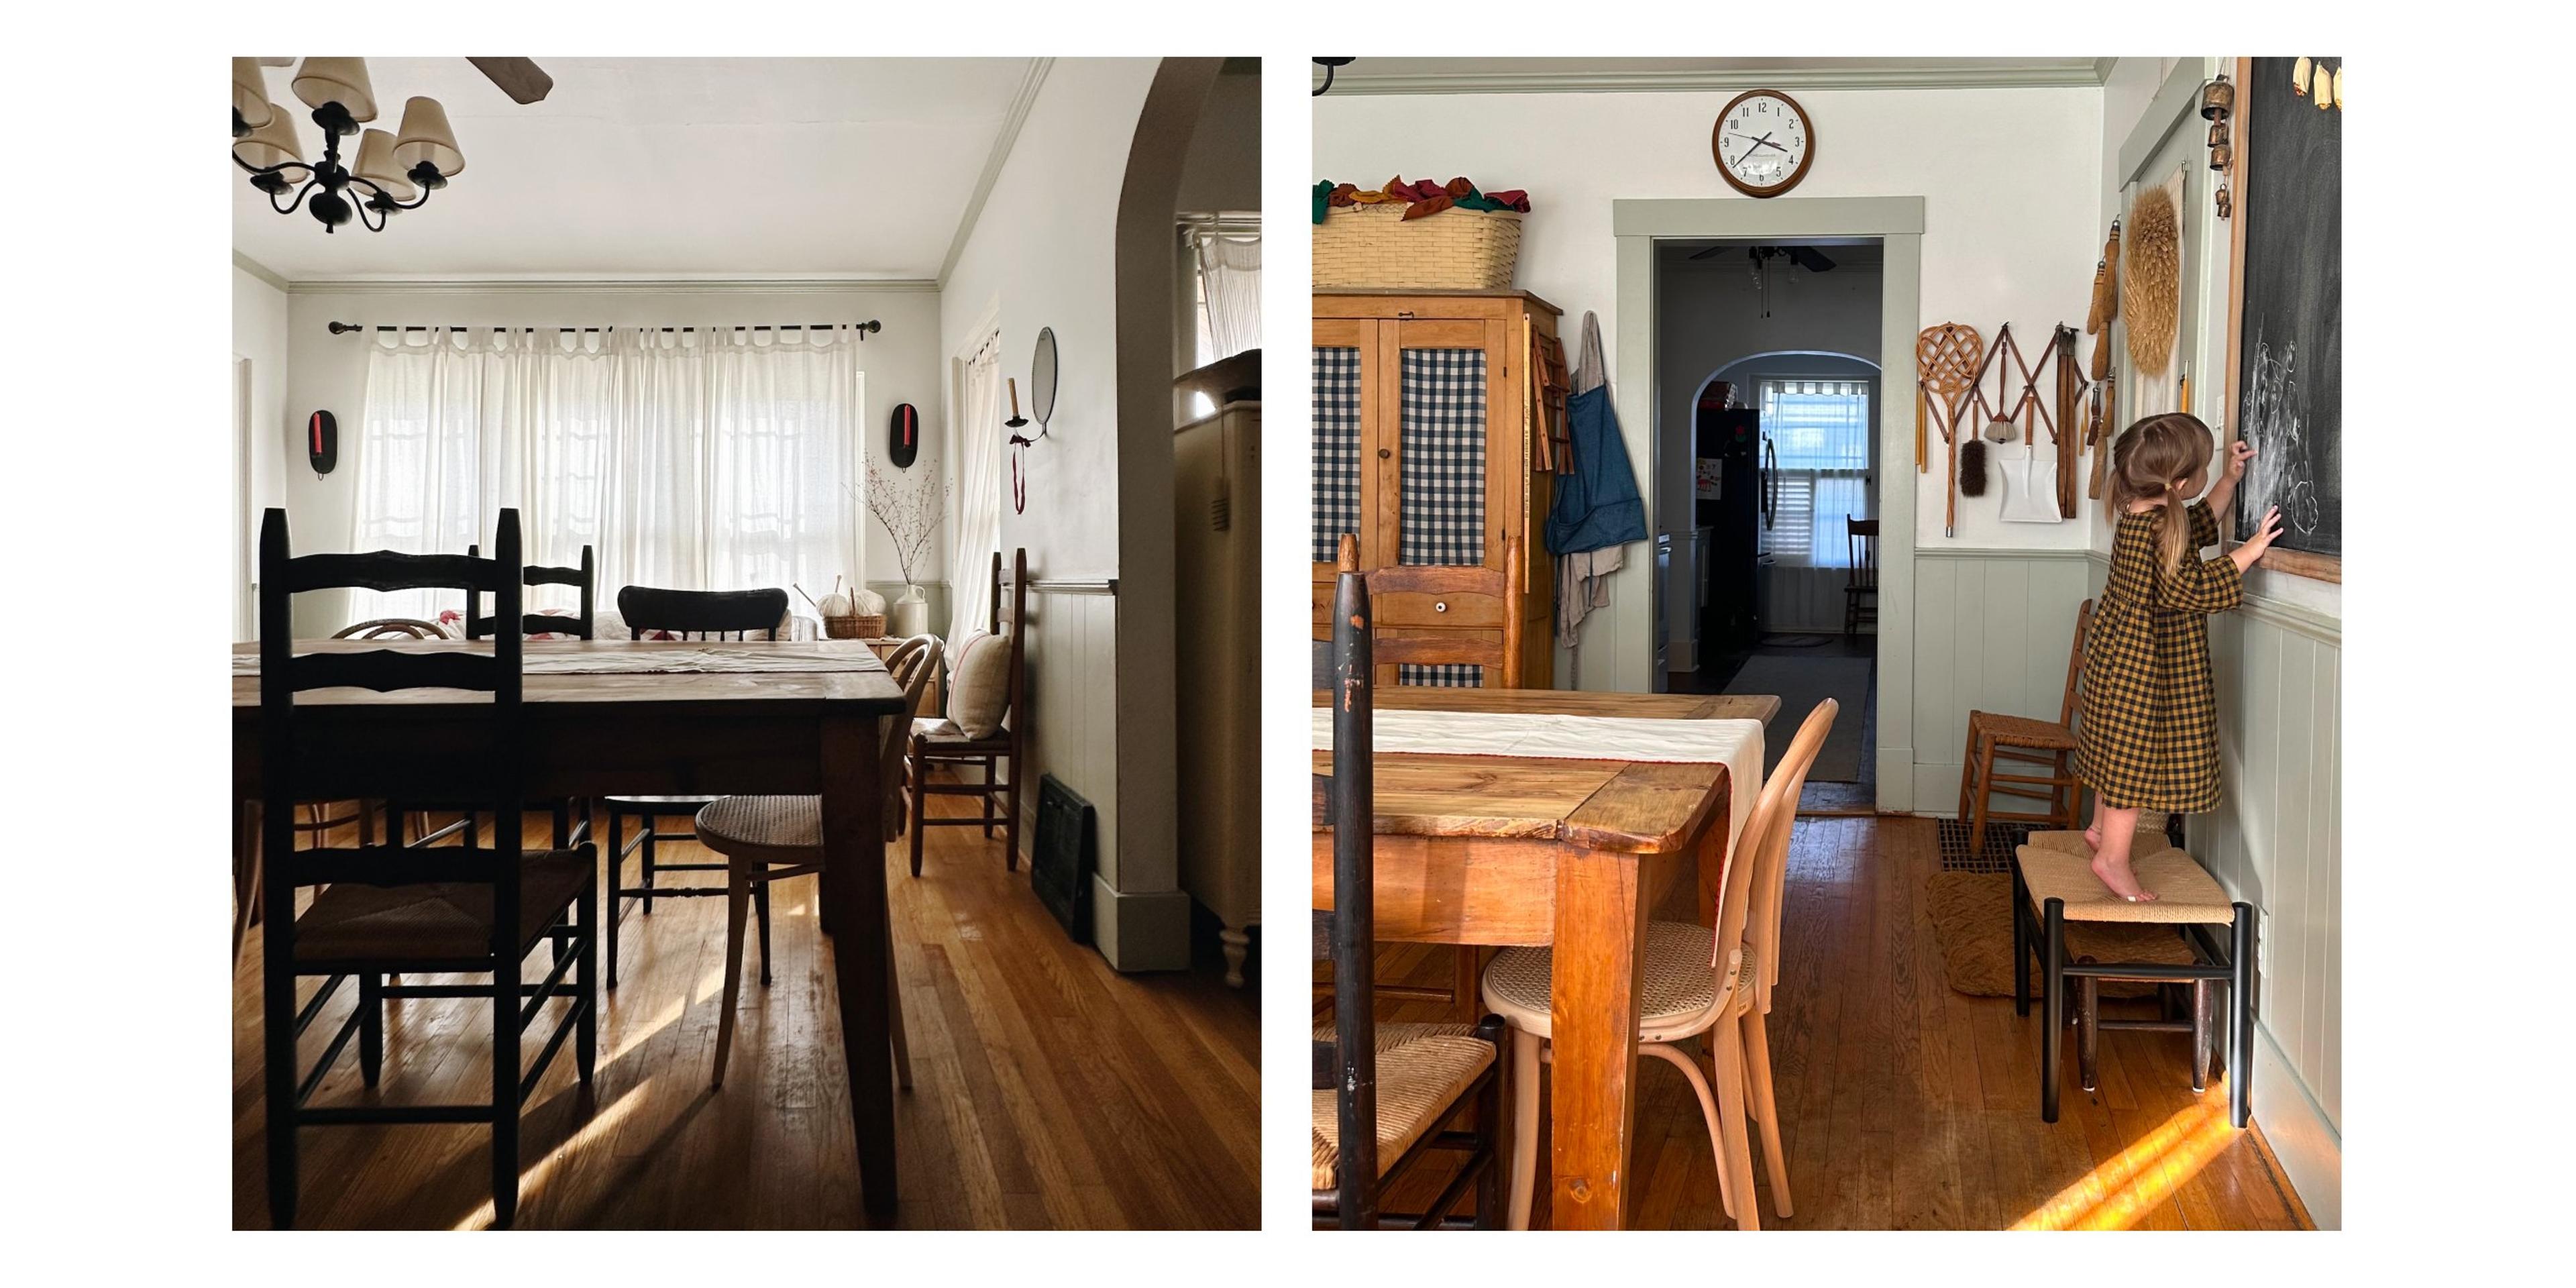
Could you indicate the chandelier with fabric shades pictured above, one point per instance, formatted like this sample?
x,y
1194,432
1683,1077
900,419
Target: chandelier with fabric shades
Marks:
x,y
392,172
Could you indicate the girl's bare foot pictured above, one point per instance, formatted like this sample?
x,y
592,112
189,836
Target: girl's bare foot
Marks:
x,y
2115,873
2093,837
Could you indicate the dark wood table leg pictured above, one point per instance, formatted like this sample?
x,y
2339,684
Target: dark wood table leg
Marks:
x,y
854,891
1600,959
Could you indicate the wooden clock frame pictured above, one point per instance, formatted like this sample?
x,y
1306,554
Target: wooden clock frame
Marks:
x,y
1718,128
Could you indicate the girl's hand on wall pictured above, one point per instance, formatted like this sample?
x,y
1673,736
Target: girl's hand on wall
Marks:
x,y
2265,533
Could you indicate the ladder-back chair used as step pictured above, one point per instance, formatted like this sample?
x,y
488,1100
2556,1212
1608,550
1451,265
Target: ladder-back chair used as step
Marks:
x,y
773,838
1384,1092
380,911
999,753
705,614
1696,981
2042,754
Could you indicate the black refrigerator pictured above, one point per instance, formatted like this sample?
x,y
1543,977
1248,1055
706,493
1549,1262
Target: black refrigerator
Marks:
x,y
1733,499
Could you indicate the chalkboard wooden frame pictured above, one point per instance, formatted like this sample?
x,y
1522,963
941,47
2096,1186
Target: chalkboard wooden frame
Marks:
x,y
2296,563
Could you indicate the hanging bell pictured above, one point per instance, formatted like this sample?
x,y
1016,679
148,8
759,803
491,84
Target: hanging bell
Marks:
x,y
2299,78
2217,99
2221,157
2218,134
2226,203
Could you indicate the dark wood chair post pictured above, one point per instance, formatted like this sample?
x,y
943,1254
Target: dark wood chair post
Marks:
x,y
1354,900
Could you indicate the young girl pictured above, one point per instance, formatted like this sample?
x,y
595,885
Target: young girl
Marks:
x,y
2147,737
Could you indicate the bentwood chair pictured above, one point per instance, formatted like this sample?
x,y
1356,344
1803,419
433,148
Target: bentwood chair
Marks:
x,y
772,838
1383,1092
1860,585
708,614
2041,753
1687,997
998,757
400,910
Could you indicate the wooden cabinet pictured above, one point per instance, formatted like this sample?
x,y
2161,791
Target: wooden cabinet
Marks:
x,y
1423,410
1216,494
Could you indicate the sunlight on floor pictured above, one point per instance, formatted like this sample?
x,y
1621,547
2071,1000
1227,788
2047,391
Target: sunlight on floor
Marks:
x,y
602,1126
2146,1174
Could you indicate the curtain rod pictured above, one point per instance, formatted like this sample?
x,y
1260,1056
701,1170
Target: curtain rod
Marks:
x,y
864,328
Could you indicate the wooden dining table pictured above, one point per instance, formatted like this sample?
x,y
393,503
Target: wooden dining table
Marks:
x,y
788,718
1498,850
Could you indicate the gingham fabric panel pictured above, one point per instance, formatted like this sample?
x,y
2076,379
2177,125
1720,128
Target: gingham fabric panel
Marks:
x,y
1337,449
1443,428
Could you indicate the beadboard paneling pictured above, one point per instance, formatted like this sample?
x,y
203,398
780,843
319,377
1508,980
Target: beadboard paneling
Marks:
x,y
1991,633
1072,650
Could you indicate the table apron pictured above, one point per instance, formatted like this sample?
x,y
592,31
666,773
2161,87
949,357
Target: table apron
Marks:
x,y
599,753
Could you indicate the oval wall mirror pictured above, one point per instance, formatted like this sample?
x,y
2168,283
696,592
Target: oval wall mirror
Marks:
x,y
1042,378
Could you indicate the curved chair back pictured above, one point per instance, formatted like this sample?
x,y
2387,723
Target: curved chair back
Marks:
x,y
393,628
715,613
1749,911
913,672
912,653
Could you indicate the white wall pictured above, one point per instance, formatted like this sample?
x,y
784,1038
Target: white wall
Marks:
x,y
260,336
2008,176
901,364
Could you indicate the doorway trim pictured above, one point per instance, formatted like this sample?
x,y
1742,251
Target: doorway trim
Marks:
x,y
1898,223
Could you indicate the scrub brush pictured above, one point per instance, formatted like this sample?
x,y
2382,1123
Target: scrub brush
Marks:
x,y
1972,467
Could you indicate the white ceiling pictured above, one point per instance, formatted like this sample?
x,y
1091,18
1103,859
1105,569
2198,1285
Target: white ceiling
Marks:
x,y
668,168
1503,75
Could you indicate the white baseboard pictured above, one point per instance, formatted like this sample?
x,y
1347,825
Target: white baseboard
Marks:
x,y
1141,931
2309,1147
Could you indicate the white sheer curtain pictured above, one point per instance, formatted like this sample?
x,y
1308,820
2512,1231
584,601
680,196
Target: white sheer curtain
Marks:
x,y
1820,430
979,484
702,461
1230,282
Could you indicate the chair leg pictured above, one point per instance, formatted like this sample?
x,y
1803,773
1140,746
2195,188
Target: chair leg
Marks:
x,y
2200,1034
585,1034
277,997
1984,800
1463,986
920,798
1724,1113
1489,1182
737,902
894,1021
2021,941
652,833
760,906
984,803
371,1027
2052,1006
2240,1026
1525,1051
1011,818
2088,1032
505,1092
1766,1109
1968,767
616,862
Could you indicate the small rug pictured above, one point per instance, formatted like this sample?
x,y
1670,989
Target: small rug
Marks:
x,y
1972,921
1800,683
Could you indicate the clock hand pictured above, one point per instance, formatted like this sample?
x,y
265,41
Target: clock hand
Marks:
x,y
1765,142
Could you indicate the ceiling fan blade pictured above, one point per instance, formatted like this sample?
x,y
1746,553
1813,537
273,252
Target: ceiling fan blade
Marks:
x,y
1810,259
1706,251
520,78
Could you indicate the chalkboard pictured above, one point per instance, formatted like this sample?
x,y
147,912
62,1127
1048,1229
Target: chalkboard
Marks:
x,y
2289,372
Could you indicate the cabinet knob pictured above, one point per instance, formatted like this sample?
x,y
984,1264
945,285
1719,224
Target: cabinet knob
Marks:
x,y
1440,606
1383,453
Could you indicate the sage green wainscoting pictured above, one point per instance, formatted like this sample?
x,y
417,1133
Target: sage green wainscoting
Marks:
x,y
1991,633
936,592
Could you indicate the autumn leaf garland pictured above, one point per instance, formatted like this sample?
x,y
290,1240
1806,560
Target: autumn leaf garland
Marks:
x,y
1421,197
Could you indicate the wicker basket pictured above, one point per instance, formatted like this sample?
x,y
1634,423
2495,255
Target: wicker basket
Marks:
x,y
1454,250
854,627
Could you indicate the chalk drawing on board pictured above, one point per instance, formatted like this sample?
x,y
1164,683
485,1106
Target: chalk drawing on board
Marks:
x,y
2273,418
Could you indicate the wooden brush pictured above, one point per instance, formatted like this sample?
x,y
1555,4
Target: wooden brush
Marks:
x,y
1972,467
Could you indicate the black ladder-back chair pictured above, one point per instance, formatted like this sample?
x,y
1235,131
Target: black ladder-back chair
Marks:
x,y
478,625
711,614
404,911
998,797
1348,1064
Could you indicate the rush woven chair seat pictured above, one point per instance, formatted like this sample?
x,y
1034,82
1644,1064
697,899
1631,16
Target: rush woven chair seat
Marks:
x,y
1694,980
2038,758
708,614
2054,885
772,838
1423,1071
392,911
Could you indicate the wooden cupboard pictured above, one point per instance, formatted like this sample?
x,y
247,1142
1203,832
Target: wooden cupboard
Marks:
x,y
1423,415
1216,493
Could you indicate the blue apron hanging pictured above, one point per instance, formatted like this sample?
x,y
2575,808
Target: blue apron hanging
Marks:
x,y
1597,505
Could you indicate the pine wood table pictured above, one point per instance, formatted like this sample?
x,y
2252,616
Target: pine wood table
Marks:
x,y
806,720
1498,850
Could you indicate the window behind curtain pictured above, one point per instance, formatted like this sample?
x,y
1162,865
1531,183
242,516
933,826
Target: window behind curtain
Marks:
x,y
1820,431
1226,291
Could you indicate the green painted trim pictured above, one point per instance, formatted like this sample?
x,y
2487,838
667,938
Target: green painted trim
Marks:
x,y
2176,104
1013,118
1769,217
1993,552
611,286
2071,74
261,271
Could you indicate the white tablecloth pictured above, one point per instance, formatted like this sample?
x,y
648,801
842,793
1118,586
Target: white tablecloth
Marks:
x,y
1735,743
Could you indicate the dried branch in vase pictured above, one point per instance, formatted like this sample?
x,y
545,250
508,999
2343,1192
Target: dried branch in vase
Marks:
x,y
909,505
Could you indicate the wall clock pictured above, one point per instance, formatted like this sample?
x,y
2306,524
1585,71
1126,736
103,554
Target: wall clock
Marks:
x,y
1763,142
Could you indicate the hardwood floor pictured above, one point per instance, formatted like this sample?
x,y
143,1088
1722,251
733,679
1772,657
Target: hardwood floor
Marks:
x,y
1905,1105
1048,1090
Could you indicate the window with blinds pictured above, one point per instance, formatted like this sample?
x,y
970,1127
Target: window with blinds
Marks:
x,y
1819,434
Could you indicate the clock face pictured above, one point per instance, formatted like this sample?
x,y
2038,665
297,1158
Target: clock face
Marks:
x,y
1763,143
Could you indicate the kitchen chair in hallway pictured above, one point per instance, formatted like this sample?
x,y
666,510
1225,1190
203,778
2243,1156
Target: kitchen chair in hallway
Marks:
x,y
1383,1092
399,910
1860,586
1685,997
999,751
772,838
2042,752
710,614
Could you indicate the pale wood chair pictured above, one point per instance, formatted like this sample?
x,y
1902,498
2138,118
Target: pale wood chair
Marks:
x,y
1860,587
1382,1092
2045,750
1685,998
772,838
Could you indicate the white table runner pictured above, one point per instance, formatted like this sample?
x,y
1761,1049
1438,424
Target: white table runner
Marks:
x,y
665,661
1737,744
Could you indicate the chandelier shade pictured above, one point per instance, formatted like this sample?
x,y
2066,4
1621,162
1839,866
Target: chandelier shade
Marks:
x,y
376,165
426,137
337,80
250,93
273,144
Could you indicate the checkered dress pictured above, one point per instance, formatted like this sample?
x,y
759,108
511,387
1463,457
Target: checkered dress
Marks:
x,y
2147,737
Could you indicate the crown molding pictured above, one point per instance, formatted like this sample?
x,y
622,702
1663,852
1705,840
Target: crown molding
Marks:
x,y
617,286
1012,119
1675,81
261,271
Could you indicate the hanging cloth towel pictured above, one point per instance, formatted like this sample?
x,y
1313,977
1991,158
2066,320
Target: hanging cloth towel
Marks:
x,y
1597,508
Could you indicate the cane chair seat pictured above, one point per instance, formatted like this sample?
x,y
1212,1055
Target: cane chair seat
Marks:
x,y
2058,865
2023,731
1422,1069
678,804
439,921
1679,990
773,829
